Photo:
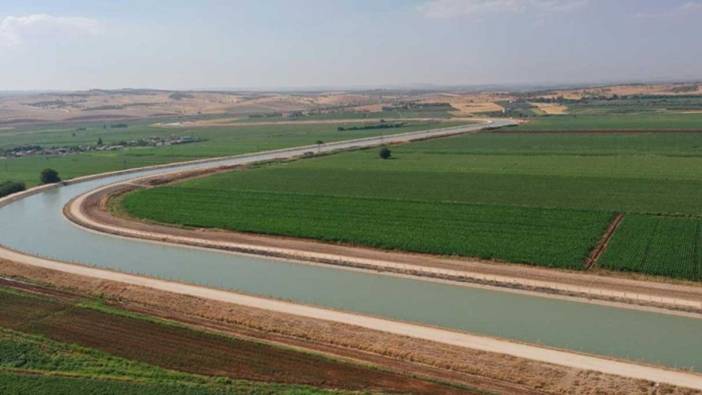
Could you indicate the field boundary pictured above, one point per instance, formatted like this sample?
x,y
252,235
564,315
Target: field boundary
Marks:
x,y
601,246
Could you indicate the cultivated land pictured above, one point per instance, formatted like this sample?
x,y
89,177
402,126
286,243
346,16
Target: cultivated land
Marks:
x,y
512,195
610,122
218,141
551,237
491,371
47,331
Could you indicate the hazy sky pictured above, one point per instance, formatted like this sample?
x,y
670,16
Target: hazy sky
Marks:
x,y
81,44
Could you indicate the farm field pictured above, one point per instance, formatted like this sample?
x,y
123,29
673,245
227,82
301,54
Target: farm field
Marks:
x,y
635,121
218,141
98,348
636,104
36,384
665,246
536,198
551,237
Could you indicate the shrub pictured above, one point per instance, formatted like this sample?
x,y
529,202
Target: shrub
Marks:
x,y
10,187
385,153
49,176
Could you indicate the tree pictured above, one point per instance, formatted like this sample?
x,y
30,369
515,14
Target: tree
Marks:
x,y
319,145
385,153
99,141
9,187
49,176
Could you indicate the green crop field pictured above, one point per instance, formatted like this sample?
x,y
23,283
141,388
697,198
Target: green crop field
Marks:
x,y
647,121
219,141
632,173
551,237
23,351
665,246
500,195
636,104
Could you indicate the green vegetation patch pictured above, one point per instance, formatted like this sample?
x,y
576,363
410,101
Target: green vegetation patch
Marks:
x,y
86,338
29,383
551,237
10,187
215,142
23,351
537,191
29,364
467,195
653,121
635,104
658,245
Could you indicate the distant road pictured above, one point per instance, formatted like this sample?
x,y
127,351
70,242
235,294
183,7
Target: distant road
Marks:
x,y
235,122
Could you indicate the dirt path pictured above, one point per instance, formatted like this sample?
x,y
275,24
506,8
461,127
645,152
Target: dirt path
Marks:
x,y
90,211
601,246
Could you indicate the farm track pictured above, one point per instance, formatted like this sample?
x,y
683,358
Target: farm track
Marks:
x,y
601,246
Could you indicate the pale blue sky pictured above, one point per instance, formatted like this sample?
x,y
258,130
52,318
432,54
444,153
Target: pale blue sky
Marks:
x,y
178,44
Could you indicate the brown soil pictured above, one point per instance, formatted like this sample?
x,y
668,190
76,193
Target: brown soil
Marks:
x,y
489,371
56,316
551,108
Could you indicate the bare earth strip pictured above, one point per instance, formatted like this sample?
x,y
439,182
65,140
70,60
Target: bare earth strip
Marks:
x,y
90,211
551,108
601,246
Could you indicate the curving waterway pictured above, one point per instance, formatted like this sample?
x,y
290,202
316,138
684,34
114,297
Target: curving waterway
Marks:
x,y
35,225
